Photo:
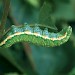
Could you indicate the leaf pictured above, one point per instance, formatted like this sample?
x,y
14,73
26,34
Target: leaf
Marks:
x,y
64,10
15,57
34,3
45,17
72,72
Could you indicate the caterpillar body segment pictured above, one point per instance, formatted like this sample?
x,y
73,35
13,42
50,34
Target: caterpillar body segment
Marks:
x,y
35,35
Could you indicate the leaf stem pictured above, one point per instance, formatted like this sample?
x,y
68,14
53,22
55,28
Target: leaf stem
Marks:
x,y
4,16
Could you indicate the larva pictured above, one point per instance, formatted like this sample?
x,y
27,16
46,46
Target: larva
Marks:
x,y
35,35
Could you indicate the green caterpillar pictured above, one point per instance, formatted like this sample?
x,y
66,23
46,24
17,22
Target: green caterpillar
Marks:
x,y
35,35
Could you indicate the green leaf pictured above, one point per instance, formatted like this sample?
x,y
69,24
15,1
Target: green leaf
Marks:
x,y
64,10
72,72
45,17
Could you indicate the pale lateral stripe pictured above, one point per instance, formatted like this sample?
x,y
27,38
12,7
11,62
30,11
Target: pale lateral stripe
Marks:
x,y
30,33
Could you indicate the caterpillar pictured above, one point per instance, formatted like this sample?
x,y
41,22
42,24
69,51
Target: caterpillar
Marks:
x,y
35,35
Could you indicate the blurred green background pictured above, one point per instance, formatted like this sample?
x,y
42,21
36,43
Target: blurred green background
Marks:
x,y
28,59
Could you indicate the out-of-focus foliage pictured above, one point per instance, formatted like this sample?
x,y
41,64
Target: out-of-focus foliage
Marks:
x,y
12,74
29,59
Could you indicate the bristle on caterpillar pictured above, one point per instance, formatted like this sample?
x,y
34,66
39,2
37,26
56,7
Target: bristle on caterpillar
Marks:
x,y
35,35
